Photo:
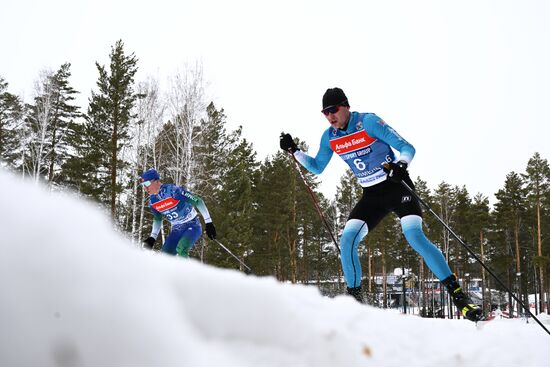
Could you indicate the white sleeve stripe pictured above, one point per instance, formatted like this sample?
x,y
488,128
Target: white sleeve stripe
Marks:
x,y
156,228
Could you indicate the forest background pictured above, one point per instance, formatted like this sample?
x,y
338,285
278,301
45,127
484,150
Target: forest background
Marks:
x,y
261,209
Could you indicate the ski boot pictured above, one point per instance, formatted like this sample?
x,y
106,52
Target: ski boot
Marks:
x,y
356,293
465,305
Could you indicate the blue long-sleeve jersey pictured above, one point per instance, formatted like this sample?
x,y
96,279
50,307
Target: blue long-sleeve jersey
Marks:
x,y
177,205
365,146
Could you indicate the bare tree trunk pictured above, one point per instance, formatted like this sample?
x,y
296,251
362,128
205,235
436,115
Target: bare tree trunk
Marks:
x,y
305,261
135,185
369,257
490,294
114,161
134,228
384,279
54,141
373,280
277,265
539,253
483,301
445,234
422,285
518,265
43,89
291,242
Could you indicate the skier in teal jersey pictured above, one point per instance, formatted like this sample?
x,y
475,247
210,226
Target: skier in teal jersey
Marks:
x,y
178,206
364,141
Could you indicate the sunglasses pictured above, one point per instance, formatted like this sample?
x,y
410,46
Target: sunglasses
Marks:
x,y
145,183
330,109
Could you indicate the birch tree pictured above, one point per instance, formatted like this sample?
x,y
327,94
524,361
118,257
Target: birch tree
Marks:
x,y
149,117
48,123
185,106
38,123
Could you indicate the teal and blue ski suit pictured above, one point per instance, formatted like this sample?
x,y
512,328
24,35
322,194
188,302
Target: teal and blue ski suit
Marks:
x,y
178,206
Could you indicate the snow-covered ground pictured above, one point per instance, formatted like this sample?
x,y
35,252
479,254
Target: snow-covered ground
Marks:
x,y
76,294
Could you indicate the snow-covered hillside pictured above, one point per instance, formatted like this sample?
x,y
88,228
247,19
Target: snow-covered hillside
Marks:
x,y
75,293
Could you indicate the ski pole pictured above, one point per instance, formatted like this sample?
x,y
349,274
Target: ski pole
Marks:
x,y
314,199
413,193
230,253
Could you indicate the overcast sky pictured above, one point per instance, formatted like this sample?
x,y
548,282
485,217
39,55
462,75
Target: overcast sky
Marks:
x,y
467,83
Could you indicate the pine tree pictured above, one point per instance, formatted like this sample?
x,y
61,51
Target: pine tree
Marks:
x,y
348,193
233,208
480,224
462,225
444,206
212,145
430,224
386,242
287,232
316,254
107,126
11,116
537,179
510,215
82,171
431,229
272,216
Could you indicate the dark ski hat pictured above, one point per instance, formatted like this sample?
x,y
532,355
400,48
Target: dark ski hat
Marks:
x,y
150,175
334,97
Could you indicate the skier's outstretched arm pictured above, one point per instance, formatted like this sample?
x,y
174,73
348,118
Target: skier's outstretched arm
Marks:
x,y
314,165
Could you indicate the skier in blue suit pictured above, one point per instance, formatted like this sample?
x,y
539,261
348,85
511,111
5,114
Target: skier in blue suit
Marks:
x,y
178,206
364,142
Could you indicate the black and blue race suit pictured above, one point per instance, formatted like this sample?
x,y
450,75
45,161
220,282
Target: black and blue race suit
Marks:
x,y
366,145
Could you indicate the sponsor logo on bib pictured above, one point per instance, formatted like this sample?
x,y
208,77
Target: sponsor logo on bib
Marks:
x,y
352,142
165,204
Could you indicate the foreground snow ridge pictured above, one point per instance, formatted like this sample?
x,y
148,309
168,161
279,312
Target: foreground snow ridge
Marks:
x,y
75,293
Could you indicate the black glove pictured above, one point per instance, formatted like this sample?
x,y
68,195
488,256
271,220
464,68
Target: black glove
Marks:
x,y
149,243
396,171
287,143
211,231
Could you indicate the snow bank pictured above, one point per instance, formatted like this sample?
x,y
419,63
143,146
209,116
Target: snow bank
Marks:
x,y
75,293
